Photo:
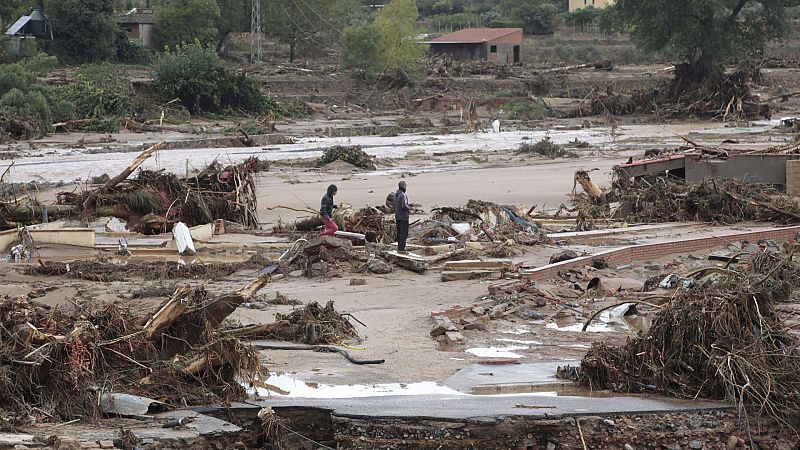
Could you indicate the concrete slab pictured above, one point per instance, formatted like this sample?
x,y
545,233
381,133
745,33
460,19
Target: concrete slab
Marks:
x,y
540,374
458,407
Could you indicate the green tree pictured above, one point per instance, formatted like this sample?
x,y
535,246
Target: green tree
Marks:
x,y
703,33
84,30
359,51
538,15
182,21
398,50
304,25
348,13
234,17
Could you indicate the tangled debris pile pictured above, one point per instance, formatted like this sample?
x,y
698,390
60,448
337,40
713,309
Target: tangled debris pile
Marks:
x,y
721,339
352,154
151,270
479,220
720,96
62,365
156,200
312,324
712,200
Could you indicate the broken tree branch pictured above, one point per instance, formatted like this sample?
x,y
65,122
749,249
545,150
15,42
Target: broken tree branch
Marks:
x,y
90,200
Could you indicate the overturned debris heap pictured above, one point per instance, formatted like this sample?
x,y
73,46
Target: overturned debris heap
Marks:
x,y
60,366
722,339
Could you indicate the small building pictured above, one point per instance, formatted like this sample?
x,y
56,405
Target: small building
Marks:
x,y
34,24
139,24
502,45
575,5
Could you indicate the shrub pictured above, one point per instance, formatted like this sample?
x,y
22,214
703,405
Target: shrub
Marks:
x,y
195,74
100,90
352,154
526,110
545,148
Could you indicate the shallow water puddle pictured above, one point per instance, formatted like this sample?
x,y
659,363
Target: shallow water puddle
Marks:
x,y
497,352
285,385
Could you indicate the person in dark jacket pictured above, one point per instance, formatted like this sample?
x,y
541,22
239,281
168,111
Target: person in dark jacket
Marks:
x,y
401,214
326,212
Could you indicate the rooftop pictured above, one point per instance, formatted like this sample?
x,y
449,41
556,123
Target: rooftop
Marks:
x,y
137,15
474,35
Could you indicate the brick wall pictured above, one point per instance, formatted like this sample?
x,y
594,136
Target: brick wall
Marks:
x,y
644,252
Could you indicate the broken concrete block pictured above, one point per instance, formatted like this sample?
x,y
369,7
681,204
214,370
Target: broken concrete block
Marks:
x,y
358,282
454,338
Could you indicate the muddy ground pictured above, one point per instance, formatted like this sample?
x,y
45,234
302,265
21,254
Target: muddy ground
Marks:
x,y
443,166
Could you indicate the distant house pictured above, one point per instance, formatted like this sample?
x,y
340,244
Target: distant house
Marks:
x,y
575,5
139,24
503,45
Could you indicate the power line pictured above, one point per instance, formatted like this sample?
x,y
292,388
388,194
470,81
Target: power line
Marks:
x,y
310,38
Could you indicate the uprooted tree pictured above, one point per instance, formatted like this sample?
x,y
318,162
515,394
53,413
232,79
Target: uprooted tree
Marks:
x,y
702,35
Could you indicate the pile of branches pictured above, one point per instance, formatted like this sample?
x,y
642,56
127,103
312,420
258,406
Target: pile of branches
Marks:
x,y
715,200
59,365
717,96
373,223
312,324
14,127
152,270
352,154
721,339
546,148
155,200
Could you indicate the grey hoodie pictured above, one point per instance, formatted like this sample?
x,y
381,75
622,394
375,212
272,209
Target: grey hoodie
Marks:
x,y
401,208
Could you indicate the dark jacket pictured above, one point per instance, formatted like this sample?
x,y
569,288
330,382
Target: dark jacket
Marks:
x,y
401,208
326,206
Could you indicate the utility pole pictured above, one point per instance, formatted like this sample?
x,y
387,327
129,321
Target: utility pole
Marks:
x,y
255,32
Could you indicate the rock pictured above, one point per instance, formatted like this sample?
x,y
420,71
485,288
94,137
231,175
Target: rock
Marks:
x,y
609,422
733,441
628,447
540,302
358,282
475,326
566,255
497,310
438,330
672,446
695,445
107,444
551,446
296,273
379,266
479,310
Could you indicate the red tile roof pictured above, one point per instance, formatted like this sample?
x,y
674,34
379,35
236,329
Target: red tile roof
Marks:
x,y
474,35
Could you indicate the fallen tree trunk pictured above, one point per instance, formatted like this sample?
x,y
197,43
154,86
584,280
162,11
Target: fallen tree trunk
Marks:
x,y
175,307
188,329
90,200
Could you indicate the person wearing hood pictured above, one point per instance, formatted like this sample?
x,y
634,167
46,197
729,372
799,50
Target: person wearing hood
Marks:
x,y
401,215
326,212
